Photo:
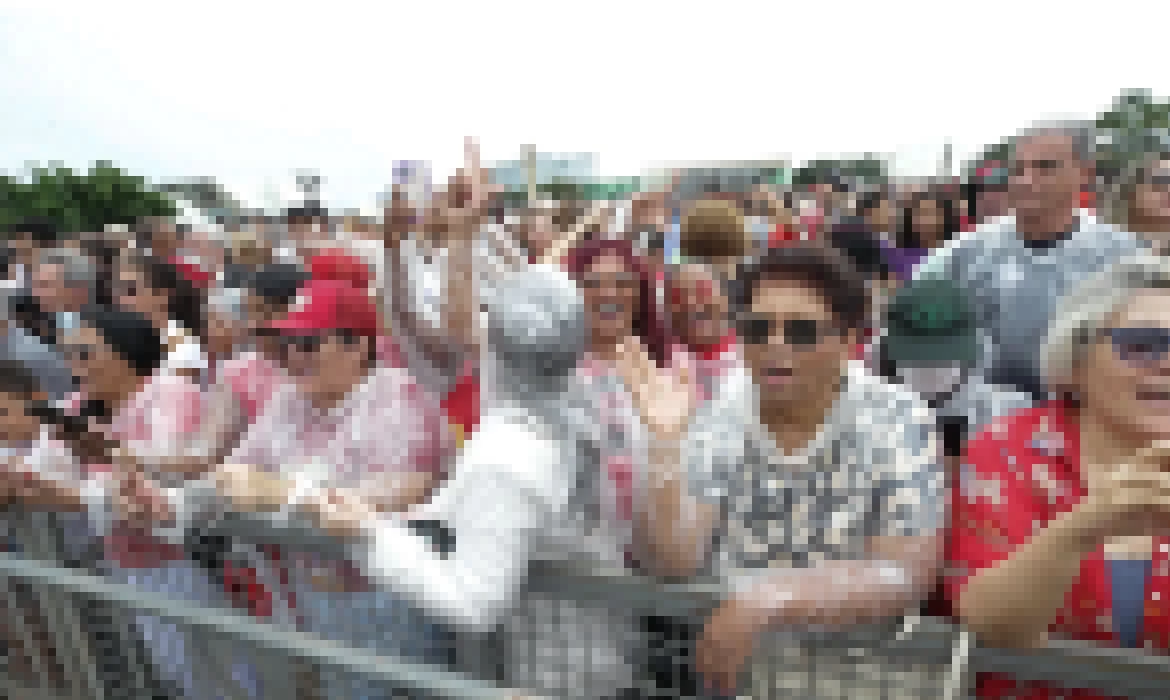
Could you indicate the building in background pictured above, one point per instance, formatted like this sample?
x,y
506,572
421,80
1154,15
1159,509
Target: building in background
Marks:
x,y
692,180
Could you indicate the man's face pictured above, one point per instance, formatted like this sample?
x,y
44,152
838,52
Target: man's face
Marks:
x,y
1046,176
51,290
991,203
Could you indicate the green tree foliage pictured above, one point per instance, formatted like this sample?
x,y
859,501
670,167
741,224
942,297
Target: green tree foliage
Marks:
x,y
869,169
1137,123
80,202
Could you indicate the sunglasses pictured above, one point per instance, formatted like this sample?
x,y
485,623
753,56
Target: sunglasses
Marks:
x,y
1139,345
79,353
801,333
310,344
301,344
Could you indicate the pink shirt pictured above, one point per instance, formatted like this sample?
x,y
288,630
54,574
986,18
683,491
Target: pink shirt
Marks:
x,y
387,424
162,420
254,379
708,367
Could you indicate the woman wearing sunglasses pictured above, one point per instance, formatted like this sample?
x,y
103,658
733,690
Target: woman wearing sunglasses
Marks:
x,y
1062,511
1141,201
346,428
154,419
822,482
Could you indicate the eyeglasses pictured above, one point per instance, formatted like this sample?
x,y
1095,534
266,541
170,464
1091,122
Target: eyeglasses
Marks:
x,y
1159,180
126,289
1139,345
801,333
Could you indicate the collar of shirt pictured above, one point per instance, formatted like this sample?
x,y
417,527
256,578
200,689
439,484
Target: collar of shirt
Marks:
x,y
801,457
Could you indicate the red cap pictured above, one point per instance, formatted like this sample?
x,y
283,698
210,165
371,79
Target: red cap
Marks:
x,y
338,266
329,305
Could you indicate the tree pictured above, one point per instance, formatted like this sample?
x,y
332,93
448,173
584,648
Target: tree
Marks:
x,y
77,202
1136,124
815,172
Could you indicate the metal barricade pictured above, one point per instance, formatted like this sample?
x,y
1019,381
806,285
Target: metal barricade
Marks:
x,y
877,664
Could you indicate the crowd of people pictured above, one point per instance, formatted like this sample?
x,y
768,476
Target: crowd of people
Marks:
x,y
845,404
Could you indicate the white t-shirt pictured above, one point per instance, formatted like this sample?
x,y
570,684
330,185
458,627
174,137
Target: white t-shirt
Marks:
x,y
185,352
510,502
426,269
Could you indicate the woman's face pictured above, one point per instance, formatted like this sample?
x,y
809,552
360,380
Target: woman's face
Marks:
x,y
793,344
132,292
698,308
17,424
102,372
1126,375
611,296
1151,198
929,222
880,217
224,333
325,366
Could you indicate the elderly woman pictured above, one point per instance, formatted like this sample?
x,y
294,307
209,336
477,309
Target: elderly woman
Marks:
x,y
342,426
1141,202
1061,511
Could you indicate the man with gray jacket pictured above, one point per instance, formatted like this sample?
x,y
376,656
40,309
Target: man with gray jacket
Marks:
x,y
1015,269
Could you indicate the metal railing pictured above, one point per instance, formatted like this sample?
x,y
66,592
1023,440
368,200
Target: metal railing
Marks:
x,y
60,590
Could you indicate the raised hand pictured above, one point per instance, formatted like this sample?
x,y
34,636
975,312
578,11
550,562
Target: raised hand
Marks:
x,y
664,400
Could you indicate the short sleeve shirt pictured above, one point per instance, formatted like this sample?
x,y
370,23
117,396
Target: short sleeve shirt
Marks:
x,y
874,470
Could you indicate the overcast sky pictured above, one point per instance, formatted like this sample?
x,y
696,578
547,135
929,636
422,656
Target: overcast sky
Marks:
x,y
246,94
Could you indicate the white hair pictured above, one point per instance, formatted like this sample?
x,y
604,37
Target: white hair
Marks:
x,y
1083,314
1081,133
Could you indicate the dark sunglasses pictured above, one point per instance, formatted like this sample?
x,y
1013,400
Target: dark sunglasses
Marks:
x,y
126,289
1160,180
802,333
1139,345
303,344
80,353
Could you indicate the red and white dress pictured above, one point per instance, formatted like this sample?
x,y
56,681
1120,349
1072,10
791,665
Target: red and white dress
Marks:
x,y
1018,475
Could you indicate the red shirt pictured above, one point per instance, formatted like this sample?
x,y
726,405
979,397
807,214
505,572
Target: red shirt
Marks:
x,y
461,405
1019,474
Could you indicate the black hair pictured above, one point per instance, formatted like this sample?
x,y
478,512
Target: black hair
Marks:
x,y
907,236
869,201
129,334
29,315
855,241
7,255
17,379
278,283
185,303
310,210
104,256
823,268
42,230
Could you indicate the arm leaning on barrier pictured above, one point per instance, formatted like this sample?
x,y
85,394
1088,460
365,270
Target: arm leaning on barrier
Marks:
x,y
496,514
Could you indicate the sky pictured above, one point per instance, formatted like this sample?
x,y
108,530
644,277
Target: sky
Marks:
x,y
246,93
